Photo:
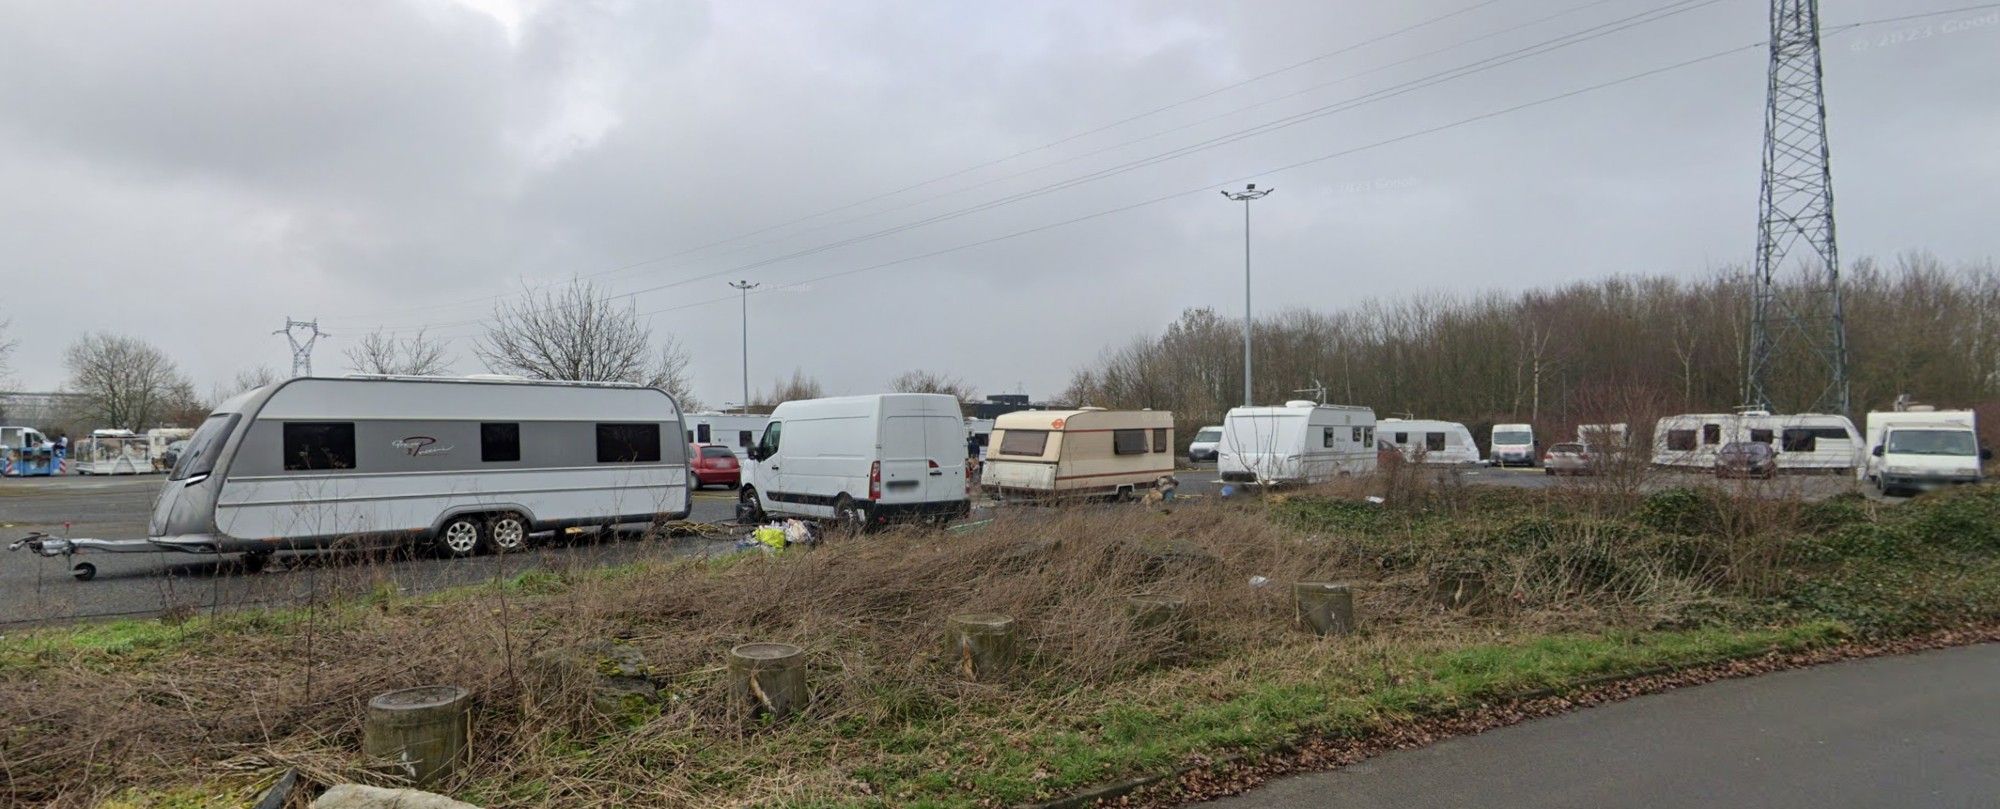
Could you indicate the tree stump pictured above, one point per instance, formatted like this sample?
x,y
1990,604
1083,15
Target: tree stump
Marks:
x,y
1158,613
424,733
981,646
768,679
1327,608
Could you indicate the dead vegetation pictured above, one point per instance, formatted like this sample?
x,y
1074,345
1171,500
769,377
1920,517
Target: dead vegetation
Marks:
x,y
212,705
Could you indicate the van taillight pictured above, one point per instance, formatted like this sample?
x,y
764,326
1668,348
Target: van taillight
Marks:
x,y
875,481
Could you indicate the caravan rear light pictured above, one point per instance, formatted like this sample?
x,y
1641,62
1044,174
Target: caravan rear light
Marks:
x,y
875,481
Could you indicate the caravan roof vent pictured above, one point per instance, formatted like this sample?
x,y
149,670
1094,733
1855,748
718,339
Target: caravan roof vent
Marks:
x,y
1922,409
1091,409
1301,403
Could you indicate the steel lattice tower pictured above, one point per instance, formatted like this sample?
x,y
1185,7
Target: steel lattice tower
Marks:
x,y
1795,213
302,349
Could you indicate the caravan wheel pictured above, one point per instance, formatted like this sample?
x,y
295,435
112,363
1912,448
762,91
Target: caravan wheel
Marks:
x,y
507,533
459,536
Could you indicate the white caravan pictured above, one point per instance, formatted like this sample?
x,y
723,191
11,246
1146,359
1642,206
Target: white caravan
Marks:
x,y
1602,438
113,452
1300,442
1922,448
1427,441
737,431
1091,451
860,459
467,464
1514,444
1804,441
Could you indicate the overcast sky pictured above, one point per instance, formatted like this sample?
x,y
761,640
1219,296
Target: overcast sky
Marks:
x,y
194,172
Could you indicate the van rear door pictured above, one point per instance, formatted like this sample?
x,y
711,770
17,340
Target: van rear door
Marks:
x,y
905,459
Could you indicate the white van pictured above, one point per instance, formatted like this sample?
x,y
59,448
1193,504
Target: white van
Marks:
x,y
1805,441
1514,444
1300,442
1922,448
863,460
1206,444
1427,441
1090,451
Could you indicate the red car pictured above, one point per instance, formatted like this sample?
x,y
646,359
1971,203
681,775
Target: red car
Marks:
x,y
714,465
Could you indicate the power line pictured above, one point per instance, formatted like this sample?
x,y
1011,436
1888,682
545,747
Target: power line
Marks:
x,y
1470,68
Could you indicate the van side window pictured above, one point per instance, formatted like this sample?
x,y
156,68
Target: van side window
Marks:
x,y
1711,433
1024,442
499,442
1680,440
768,445
319,445
1159,439
1326,436
1434,442
628,443
1128,442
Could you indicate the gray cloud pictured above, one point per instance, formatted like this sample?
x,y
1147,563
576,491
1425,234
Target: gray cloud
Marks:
x,y
194,172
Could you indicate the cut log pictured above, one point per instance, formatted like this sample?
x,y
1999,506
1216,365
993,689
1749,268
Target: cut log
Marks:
x,y
422,733
982,646
1326,608
768,679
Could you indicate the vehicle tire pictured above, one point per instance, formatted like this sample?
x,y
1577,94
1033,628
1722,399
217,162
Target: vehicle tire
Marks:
x,y
459,537
507,533
748,508
83,571
1126,494
254,561
849,514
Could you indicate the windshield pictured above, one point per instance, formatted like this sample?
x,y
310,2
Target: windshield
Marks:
x,y
202,450
1933,442
1208,435
1513,438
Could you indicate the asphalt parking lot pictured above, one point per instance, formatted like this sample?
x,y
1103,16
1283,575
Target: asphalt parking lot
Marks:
x,y
35,589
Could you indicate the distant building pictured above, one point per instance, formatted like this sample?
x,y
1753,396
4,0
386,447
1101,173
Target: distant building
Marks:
x,y
42,411
999,404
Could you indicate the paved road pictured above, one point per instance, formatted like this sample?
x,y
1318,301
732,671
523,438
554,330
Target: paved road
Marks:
x,y
34,589
1922,730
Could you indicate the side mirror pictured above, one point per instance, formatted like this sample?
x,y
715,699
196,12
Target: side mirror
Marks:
x,y
1877,451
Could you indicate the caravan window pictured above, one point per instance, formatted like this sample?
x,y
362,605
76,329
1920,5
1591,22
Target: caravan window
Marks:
x,y
1434,442
1357,435
1680,440
1368,436
1760,436
1024,442
628,443
1128,442
1402,438
744,438
1806,439
319,445
701,433
1711,433
1326,437
1159,439
499,442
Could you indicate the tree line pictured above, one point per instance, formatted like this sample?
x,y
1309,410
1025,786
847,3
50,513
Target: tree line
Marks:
x,y
1619,349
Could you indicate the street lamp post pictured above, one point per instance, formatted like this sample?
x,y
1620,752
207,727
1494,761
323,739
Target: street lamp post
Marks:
x,y
1249,192
745,286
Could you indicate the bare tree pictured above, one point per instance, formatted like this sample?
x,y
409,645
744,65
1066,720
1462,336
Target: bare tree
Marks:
x,y
6,350
798,387
244,380
416,355
931,382
670,374
576,333
125,382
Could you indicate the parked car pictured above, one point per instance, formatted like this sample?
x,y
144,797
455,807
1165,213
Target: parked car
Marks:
x,y
1207,441
714,465
1746,459
1569,458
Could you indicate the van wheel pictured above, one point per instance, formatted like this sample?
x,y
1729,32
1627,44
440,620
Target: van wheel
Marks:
x,y
747,507
458,537
849,514
507,533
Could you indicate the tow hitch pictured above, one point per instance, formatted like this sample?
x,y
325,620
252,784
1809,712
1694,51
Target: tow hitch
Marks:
x,y
42,544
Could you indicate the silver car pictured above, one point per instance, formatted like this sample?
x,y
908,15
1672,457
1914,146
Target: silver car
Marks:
x,y
1569,458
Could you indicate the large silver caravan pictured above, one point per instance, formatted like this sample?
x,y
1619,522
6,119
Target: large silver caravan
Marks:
x,y
464,464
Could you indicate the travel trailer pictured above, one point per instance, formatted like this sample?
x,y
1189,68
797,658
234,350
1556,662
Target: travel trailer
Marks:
x,y
1804,441
113,452
861,460
1922,448
1603,438
737,431
1427,441
157,441
1514,444
1088,452
465,464
1299,442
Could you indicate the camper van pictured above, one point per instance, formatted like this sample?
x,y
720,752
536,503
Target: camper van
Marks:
x,y
1430,442
466,464
113,452
1922,448
1299,442
1514,445
1092,451
862,460
1804,441
737,431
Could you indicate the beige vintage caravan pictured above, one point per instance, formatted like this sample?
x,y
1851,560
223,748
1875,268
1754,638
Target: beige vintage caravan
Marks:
x,y
1093,451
